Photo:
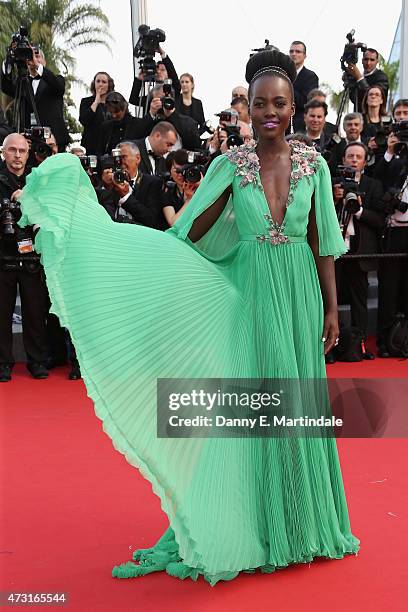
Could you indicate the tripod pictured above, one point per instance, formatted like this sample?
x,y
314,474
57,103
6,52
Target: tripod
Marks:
x,y
345,96
24,92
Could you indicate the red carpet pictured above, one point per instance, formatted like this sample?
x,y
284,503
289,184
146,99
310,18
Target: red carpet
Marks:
x,y
72,508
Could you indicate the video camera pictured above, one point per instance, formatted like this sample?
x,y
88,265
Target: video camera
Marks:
x,y
146,46
346,177
196,166
119,175
350,52
38,136
20,50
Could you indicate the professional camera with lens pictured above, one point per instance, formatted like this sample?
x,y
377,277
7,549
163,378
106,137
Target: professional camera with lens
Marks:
x,y
146,46
20,50
350,52
228,121
167,100
119,175
38,136
381,136
9,215
346,177
195,167
400,130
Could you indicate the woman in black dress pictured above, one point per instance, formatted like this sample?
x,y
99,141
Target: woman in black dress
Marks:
x,y
186,104
92,112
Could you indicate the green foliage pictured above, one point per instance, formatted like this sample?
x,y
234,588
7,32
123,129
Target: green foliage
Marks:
x,y
59,27
391,69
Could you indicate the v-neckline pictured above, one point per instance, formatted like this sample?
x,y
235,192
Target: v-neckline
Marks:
x,y
282,223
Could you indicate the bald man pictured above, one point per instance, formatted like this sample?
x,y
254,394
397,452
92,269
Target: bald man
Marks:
x,y
20,267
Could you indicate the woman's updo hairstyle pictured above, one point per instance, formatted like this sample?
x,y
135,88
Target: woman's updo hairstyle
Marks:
x,y
270,62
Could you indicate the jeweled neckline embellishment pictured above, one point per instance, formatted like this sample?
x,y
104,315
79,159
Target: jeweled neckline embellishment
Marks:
x,y
305,161
274,234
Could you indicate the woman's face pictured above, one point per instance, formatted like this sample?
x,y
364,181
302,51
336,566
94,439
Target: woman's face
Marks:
x,y
271,106
374,97
186,85
177,176
101,83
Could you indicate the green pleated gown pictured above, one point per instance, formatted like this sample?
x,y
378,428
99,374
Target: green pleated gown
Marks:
x,y
244,301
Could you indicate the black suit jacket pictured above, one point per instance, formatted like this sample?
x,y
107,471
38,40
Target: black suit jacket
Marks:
x,y
49,100
92,122
145,164
305,81
186,128
392,173
144,204
130,128
5,130
195,111
369,226
378,77
134,97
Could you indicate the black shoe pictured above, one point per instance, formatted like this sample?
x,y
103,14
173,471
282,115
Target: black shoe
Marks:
x,y
75,373
330,358
5,373
368,356
382,352
37,370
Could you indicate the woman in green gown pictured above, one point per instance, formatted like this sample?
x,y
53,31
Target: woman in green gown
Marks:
x,y
242,286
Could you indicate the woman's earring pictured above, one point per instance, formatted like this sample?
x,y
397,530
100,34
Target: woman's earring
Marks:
x,y
291,125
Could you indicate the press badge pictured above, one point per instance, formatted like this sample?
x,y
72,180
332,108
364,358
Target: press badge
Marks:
x,y
25,245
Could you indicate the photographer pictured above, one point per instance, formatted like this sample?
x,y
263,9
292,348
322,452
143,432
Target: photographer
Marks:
x,y
353,124
371,76
122,126
230,132
315,119
154,147
186,127
178,191
164,71
48,90
318,94
392,171
358,201
134,197
20,267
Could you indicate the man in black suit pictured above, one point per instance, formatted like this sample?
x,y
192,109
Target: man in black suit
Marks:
x,y
152,149
305,81
123,126
353,124
164,70
137,200
48,90
186,127
315,119
372,75
361,230
20,267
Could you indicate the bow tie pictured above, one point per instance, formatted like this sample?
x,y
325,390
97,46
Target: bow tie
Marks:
x,y
36,78
153,154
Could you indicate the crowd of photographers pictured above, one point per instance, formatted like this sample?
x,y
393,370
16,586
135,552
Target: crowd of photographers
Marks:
x,y
146,168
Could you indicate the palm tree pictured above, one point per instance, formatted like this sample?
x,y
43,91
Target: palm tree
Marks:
x,y
391,69
59,27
